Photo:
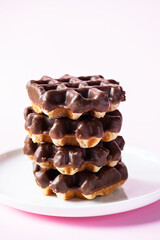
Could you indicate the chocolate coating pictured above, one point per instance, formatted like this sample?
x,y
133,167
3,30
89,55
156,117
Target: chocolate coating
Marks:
x,y
85,182
83,128
78,94
75,156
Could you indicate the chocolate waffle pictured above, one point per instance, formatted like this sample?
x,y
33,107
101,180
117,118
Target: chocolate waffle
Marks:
x,y
85,132
71,96
82,184
71,159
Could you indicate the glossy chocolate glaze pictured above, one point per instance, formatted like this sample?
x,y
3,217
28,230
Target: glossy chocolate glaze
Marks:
x,y
75,156
83,128
78,94
85,182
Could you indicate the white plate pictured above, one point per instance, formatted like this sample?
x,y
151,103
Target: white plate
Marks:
x,y
19,190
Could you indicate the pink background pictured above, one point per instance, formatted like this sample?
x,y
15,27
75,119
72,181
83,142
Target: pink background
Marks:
x,y
117,39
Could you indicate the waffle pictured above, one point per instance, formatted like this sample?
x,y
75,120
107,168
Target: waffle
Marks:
x,y
83,184
71,96
70,159
85,132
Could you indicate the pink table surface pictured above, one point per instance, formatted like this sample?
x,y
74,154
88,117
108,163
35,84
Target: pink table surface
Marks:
x,y
143,223
118,39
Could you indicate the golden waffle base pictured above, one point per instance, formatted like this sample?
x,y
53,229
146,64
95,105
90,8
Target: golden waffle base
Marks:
x,y
72,140
61,112
70,171
78,194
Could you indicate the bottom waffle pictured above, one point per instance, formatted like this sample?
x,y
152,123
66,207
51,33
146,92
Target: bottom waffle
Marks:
x,y
85,185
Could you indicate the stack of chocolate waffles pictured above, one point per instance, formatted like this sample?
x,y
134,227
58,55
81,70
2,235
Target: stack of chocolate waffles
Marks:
x,y
73,140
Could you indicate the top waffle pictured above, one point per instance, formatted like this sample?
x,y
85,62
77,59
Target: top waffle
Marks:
x,y
73,96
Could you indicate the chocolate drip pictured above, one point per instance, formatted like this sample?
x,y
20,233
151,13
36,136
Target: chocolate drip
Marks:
x,y
74,156
83,128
